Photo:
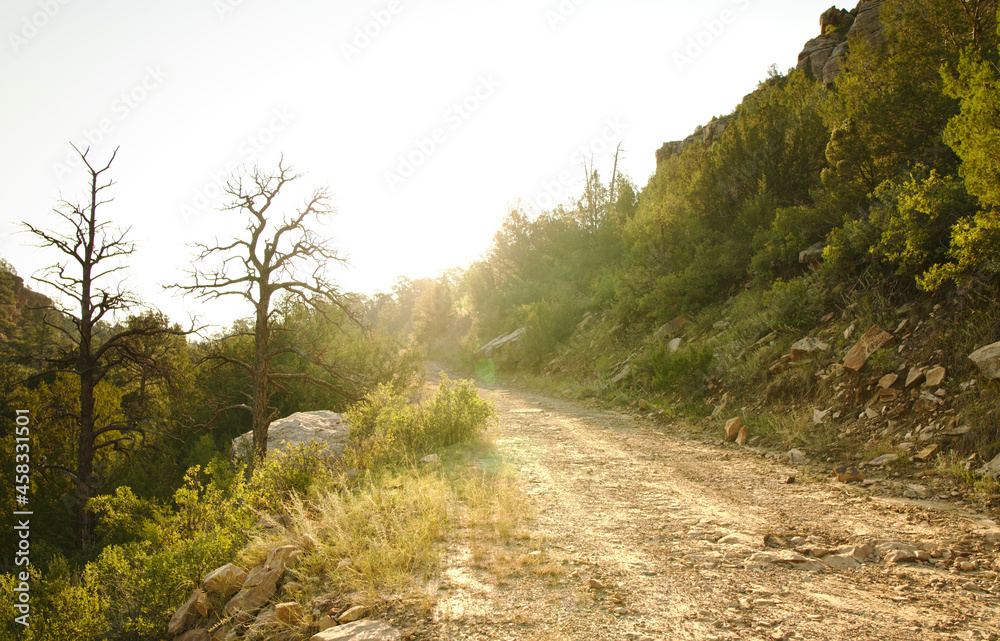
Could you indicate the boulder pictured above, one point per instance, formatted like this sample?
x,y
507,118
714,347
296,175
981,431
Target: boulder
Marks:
x,y
744,434
733,426
834,18
194,608
813,58
867,23
987,359
224,581
367,630
198,634
928,452
873,340
325,428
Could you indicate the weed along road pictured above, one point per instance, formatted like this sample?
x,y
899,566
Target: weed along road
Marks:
x,y
633,532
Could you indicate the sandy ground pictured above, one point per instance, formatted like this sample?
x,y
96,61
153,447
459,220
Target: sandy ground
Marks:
x,y
626,542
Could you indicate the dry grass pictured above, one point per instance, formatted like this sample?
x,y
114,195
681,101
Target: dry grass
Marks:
x,y
391,526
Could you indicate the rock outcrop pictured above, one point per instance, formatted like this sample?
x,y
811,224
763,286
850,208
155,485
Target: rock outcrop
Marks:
x,y
707,135
824,55
325,428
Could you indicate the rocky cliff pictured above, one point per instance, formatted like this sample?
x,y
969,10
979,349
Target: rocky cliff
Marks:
x,y
824,57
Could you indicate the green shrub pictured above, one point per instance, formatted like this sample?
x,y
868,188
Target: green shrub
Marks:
x,y
386,428
682,372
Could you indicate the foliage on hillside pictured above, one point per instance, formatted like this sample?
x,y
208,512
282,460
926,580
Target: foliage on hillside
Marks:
x,y
893,171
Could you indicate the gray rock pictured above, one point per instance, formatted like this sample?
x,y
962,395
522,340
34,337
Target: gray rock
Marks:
x,y
326,429
987,359
813,253
992,468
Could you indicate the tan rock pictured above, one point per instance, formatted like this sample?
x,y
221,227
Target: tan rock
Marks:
x,y
355,613
888,381
283,557
195,607
744,434
935,377
733,426
900,556
874,339
928,452
914,377
367,630
326,429
224,581
257,590
289,612
198,634
324,622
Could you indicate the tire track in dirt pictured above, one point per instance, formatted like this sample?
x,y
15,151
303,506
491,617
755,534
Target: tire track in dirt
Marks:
x,y
641,511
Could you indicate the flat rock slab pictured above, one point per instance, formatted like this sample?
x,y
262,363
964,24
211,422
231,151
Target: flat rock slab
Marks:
x,y
359,631
873,340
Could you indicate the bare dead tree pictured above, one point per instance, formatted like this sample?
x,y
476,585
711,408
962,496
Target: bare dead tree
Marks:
x,y
93,251
275,256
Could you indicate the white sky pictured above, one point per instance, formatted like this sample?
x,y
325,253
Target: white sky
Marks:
x,y
188,88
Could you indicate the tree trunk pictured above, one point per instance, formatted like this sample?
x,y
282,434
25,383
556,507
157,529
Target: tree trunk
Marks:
x,y
259,411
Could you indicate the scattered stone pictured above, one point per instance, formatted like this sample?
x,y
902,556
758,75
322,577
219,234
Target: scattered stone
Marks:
x,y
958,431
596,584
888,381
198,634
796,457
675,344
367,630
821,416
914,377
873,340
883,460
900,556
849,331
733,426
720,324
934,377
741,438
841,561
848,474
225,581
788,558
807,347
915,491
356,613
870,414
431,459
928,452
790,480
739,538
987,359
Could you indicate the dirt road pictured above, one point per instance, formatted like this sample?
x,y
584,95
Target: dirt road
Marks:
x,y
639,533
